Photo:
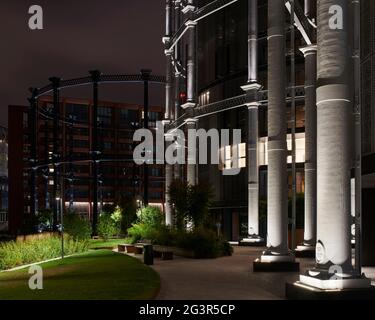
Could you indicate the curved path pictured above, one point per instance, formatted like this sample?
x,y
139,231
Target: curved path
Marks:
x,y
228,278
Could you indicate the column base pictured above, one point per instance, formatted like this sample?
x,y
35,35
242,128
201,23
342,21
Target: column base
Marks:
x,y
269,262
252,241
305,251
300,291
333,280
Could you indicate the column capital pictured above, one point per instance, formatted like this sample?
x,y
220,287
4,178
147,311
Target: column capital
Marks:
x,y
310,49
253,86
166,39
188,105
191,121
253,105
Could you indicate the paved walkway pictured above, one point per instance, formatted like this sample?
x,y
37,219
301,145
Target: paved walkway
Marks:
x,y
222,279
227,278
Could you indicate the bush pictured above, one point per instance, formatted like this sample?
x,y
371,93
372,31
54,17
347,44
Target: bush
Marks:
x,y
108,227
203,242
151,216
148,226
13,254
77,227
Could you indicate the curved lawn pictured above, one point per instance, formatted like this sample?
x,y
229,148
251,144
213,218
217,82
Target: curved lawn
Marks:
x,y
96,275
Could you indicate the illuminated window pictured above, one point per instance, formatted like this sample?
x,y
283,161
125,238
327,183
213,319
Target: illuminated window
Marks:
x,y
233,157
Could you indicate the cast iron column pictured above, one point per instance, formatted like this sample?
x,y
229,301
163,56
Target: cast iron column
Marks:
x,y
277,241
310,146
191,55
145,77
95,150
168,106
33,114
191,103
191,167
168,182
177,78
334,268
55,152
251,90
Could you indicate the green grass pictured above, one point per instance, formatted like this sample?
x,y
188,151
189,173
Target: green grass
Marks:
x,y
111,243
96,275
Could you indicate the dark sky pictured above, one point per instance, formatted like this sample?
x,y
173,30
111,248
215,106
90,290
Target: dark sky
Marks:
x,y
114,36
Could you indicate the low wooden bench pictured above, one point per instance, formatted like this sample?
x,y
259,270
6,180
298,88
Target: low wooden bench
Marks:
x,y
138,249
128,248
163,253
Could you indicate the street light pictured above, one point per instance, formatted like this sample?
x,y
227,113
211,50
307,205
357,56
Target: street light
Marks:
x,y
60,200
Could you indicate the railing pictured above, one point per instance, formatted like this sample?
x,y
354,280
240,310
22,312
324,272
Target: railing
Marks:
x,y
3,216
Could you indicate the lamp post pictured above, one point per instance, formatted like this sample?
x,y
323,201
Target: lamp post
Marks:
x,y
59,201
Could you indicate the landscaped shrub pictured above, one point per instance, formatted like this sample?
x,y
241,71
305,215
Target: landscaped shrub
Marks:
x,y
204,243
77,227
149,225
108,227
142,231
13,254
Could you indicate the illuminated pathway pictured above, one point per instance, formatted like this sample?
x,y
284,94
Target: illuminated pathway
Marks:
x,y
224,278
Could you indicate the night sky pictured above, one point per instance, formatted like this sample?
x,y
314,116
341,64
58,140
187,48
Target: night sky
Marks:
x,y
114,36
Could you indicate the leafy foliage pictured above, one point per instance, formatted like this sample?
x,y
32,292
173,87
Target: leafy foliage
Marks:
x,y
77,227
190,203
108,226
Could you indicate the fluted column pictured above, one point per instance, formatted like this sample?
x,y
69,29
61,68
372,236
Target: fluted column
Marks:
x,y
251,88
334,116
277,241
310,145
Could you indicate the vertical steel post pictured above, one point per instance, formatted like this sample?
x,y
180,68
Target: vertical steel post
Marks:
x,y
55,153
95,152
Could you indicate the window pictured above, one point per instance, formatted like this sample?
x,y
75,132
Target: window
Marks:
x,y
204,98
105,116
156,172
233,157
79,111
129,117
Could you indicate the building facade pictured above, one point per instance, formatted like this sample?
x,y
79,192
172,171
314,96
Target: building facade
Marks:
x,y
301,91
118,176
3,179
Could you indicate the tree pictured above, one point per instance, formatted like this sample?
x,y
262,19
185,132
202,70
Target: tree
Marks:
x,y
190,203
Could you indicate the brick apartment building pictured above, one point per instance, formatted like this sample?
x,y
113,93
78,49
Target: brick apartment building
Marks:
x,y
118,176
